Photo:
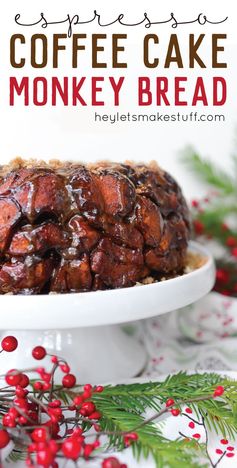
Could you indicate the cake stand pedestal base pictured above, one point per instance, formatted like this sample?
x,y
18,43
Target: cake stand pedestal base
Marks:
x,y
95,354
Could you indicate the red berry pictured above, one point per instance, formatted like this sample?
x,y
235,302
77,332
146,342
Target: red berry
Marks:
x,y
4,438
8,421
39,352
111,462
88,449
132,436
38,386
71,448
224,441
65,368
87,394
218,391
191,425
96,415
77,432
9,344
78,400
87,388
188,410
45,458
196,436
169,402
55,413
230,454
22,420
129,438
32,447
46,386
46,377
54,447
175,411
39,435
21,392
54,359
234,252
13,377
99,389
87,408
198,227
69,380
41,446
13,412
55,404
231,241
195,204
24,382
222,275
21,403
230,448
219,451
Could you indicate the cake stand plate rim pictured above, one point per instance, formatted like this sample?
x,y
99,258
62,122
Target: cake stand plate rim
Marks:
x,y
59,311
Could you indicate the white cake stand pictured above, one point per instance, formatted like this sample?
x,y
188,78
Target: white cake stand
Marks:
x,y
83,328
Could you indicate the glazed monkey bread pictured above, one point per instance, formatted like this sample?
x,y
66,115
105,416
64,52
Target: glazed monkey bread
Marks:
x,y
67,227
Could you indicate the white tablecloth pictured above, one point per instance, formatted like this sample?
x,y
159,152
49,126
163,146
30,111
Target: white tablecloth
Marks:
x,y
200,337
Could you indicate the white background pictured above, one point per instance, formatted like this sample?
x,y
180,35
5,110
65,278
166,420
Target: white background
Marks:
x,y
71,133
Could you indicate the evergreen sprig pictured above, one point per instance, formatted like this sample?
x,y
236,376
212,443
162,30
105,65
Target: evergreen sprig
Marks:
x,y
16,455
124,408
210,173
215,216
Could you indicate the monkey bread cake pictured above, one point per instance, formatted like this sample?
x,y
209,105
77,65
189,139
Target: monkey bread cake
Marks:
x,y
67,227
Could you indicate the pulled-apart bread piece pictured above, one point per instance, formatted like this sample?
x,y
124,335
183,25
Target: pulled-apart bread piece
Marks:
x,y
67,227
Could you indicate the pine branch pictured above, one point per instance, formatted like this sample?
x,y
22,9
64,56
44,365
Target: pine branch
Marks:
x,y
217,213
208,172
16,455
151,442
123,407
213,221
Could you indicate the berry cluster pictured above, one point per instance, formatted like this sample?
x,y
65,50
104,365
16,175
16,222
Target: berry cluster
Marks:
x,y
35,415
48,422
210,226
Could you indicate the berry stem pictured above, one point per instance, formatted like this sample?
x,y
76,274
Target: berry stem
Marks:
x,y
192,419
157,415
214,465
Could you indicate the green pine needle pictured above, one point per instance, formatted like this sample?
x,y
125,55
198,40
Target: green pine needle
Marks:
x,y
123,408
208,172
16,455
